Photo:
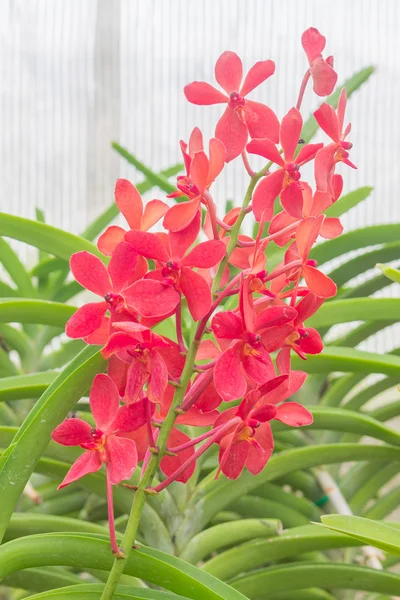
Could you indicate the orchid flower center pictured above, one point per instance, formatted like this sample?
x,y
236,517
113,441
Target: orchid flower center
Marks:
x,y
97,441
186,185
115,301
292,172
235,101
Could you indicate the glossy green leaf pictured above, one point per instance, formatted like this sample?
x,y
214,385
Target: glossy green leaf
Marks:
x,y
16,270
50,239
291,543
92,591
38,580
359,238
390,272
348,360
367,531
326,575
212,496
227,534
357,309
367,260
89,551
28,523
15,339
155,178
18,310
348,201
341,419
18,462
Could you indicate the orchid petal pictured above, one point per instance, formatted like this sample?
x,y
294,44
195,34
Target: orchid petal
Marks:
x,y
227,325
290,132
180,241
266,148
151,298
199,171
217,152
153,211
122,266
233,133
258,458
324,78
88,462
195,142
86,320
104,401
72,432
90,272
256,75
180,216
313,43
261,121
202,93
265,194
197,292
229,379
319,283
229,72
131,417
169,464
205,255
147,244
327,119
110,239
158,377
122,458
292,200
293,414
331,228
129,202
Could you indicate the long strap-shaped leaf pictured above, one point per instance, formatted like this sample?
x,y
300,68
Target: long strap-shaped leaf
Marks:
x,y
92,591
329,576
348,360
20,310
252,555
356,309
50,239
212,496
93,552
18,462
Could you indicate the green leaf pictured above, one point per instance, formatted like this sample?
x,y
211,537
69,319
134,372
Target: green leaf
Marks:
x,y
311,126
372,533
38,580
16,340
18,462
348,201
16,270
348,360
359,238
341,419
105,218
49,239
212,496
93,552
390,272
155,178
92,591
18,310
291,543
298,576
364,262
227,534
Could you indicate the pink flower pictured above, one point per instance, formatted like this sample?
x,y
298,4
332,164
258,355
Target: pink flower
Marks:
x,y
322,73
103,443
286,180
325,161
130,204
241,117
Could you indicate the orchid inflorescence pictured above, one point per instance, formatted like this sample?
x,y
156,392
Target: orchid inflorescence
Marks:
x,y
247,318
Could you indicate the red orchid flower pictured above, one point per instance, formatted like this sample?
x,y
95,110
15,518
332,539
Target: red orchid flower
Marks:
x,y
332,123
313,206
251,442
141,349
244,355
112,283
130,204
201,171
322,73
303,340
241,117
317,282
176,272
286,180
103,443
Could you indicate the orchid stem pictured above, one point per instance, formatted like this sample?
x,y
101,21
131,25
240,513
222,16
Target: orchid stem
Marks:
x,y
247,165
212,211
303,88
194,441
150,436
179,334
110,508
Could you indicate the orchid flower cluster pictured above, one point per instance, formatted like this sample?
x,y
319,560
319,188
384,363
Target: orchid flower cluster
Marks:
x,y
247,319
